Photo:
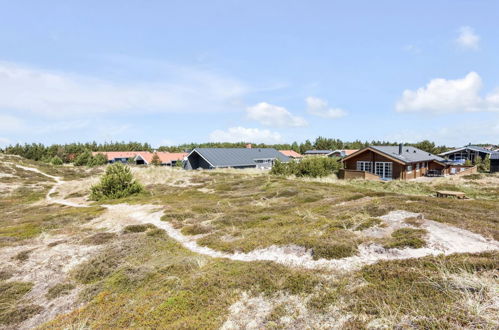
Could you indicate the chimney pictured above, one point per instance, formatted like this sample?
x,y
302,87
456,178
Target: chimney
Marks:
x,y
249,146
400,148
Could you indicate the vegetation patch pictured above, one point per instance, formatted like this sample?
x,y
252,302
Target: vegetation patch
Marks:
x,y
308,167
19,314
407,238
368,223
131,229
99,266
22,256
5,274
196,229
10,295
99,238
159,284
58,290
417,291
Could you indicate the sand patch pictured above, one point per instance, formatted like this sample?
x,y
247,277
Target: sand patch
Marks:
x,y
46,265
282,312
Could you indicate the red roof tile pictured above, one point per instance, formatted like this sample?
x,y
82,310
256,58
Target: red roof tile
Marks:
x,y
290,153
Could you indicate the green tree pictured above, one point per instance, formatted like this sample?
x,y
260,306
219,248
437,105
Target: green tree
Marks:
x,y
117,182
155,160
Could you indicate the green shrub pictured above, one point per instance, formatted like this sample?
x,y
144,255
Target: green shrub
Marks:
x,y
308,167
97,160
56,160
83,158
117,182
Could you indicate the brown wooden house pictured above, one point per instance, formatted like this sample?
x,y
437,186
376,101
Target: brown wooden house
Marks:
x,y
393,162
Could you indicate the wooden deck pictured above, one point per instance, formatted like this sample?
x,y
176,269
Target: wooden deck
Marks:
x,y
456,194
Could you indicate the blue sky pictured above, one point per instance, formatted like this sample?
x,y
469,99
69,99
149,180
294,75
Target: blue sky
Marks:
x,y
170,72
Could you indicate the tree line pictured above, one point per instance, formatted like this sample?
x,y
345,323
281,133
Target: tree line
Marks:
x,y
320,143
70,152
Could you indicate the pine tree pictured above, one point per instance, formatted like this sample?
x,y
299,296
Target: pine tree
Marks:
x,y
155,160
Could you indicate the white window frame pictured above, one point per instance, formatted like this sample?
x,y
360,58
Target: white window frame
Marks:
x,y
365,166
409,168
417,167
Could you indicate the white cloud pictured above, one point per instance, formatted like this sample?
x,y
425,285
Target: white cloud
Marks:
x,y
447,96
467,38
63,94
242,134
320,107
273,115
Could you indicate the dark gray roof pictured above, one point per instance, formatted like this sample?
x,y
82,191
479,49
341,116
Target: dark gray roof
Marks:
x,y
474,148
317,152
409,154
231,157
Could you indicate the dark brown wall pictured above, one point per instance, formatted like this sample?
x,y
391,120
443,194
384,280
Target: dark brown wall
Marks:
x,y
369,156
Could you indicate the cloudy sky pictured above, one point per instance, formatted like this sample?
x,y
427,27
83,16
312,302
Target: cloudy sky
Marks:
x,y
169,72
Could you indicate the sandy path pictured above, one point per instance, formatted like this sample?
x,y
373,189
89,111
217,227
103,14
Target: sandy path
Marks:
x,y
442,239
58,182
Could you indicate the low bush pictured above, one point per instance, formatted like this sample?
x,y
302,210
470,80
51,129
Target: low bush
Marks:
x,y
117,182
308,167
56,160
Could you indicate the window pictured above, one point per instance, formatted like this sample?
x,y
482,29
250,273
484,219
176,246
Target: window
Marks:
x,y
384,170
417,167
364,166
409,168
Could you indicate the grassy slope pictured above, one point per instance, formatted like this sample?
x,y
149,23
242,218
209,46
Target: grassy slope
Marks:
x,y
23,218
